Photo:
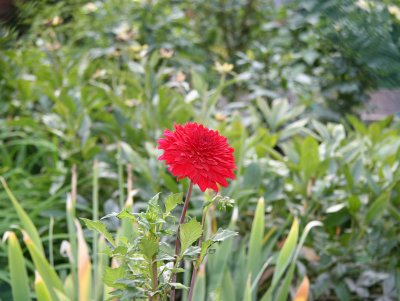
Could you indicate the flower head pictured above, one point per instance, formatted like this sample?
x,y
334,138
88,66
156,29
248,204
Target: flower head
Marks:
x,y
223,68
201,154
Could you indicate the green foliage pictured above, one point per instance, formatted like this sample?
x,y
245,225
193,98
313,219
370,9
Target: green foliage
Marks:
x,y
100,81
189,233
146,264
172,201
18,273
101,228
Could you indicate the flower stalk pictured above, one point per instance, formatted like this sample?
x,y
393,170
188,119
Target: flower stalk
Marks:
x,y
154,278
177,243
195,267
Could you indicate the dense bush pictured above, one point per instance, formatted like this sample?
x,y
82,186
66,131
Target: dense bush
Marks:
x,y
99,81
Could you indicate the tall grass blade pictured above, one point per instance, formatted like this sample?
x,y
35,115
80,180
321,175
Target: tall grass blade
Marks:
x,y
199,292
283,291
217,263
286,254
256,240
71,203
46,271
51,253
284,258
228,288
120,177
84,266
247,292
26,222
18,274
41,290
95,217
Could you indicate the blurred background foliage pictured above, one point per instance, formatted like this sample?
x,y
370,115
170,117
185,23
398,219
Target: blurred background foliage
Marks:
x,y
283,80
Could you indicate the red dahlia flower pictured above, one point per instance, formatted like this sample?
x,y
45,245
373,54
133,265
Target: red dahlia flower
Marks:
x,y
201,154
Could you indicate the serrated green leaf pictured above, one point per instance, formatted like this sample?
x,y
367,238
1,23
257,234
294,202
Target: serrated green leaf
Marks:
x,y
172,201
126,214
112,275
148,247
99,227
154,200
189,233
204,248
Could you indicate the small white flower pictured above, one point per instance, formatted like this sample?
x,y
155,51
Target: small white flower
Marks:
x,y
364,5
90,7
395,11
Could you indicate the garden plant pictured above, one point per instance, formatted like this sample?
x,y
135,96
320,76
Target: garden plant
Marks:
x,y
198,150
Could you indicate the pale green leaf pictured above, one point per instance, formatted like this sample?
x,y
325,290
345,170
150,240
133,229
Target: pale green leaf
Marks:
x,y
189,233
309,158
377,207
26,222
192,251
18,274
41,290
99,227
247,292
227,287
286,254
204,248
126,214
256,238
112,275
178,286
172,201
148,247
223,234
199,291
46,271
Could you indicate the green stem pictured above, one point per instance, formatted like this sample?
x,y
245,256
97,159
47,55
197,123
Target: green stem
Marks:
x,y
120,178
177,243
95,216
72,231
51,228
154,278
195,267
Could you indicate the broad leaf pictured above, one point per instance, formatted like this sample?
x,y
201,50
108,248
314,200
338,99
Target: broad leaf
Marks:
x,y
377,207
223,234
178,286
256,237
101,228
18,273
189,233
148,247
172,201
111,276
